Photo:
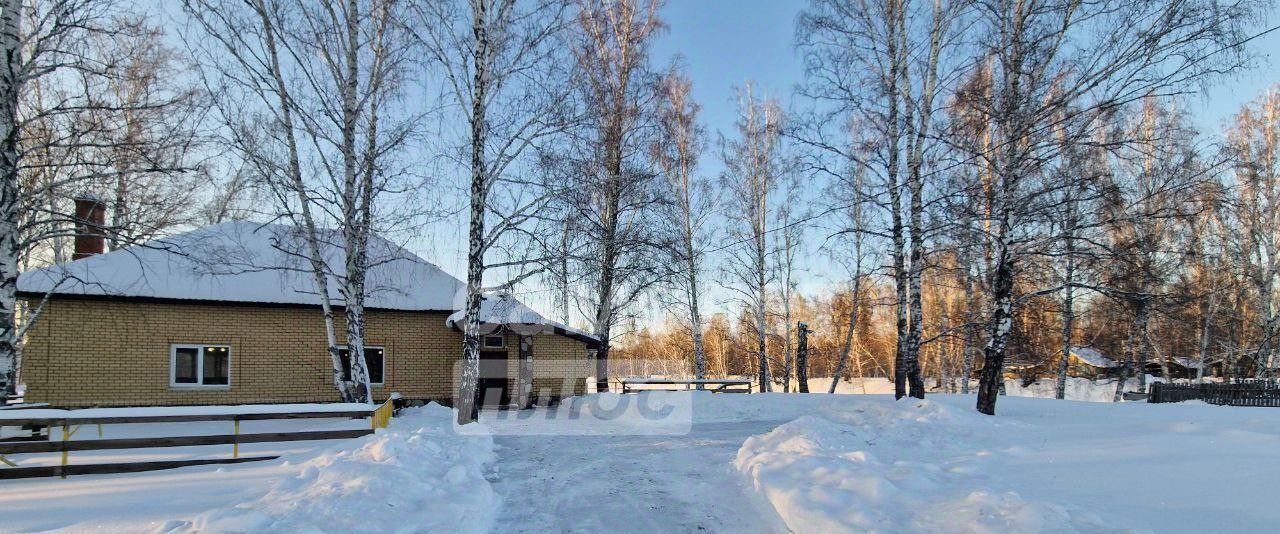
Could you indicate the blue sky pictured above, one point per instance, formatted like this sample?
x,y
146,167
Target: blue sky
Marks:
x,y
724,43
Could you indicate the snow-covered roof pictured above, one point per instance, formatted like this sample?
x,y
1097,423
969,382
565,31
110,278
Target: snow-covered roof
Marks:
x,y
504,311
243,261
1192,363
1093,357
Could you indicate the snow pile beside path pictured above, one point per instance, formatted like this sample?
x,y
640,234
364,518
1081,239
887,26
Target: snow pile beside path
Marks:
x,y
416,476
893,467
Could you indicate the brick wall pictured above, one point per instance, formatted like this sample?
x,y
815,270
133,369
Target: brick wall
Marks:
x,y
88,352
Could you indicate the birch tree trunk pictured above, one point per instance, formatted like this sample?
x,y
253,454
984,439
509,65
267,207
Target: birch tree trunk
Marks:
x,y
296,185
762,348
1068,302
992,378
970,348
1136,346
919,118
849,333
1142,323
468,386
788,358
695,321
1068,327
10,85
1205,325
680,140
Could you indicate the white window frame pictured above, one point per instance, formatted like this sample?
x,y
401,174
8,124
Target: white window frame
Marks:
x,y
384,362
173,366
484,342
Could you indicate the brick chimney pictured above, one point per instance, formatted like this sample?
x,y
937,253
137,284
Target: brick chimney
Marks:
x,y
91,221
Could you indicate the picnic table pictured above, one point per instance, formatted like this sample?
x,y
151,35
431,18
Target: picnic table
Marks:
x,y
714,385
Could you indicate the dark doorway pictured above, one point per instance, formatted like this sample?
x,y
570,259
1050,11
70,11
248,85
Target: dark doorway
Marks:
x,y
493,384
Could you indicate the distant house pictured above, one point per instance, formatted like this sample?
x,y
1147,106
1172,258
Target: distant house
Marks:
x,y
229,314
1088,362
1186,368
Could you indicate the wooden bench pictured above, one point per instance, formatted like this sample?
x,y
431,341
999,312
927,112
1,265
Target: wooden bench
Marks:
x,y
726,385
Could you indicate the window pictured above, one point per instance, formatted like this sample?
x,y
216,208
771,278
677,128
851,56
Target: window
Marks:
x,y
373,359
195,366
494,342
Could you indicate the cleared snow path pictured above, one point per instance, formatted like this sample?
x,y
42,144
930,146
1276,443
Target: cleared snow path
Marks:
x,y
625,482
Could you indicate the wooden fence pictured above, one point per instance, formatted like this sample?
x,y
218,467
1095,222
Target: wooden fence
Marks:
x,y
378,417
1264,393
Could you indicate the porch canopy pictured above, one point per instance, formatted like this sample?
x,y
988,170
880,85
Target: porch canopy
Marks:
x,y
501,312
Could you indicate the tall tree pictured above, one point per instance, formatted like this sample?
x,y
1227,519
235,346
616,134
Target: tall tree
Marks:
x,y
788,247
617,192
1149,201
679,142
324,133
1051,54
752,164
859,60
855,199
1254,142
507,78
65,64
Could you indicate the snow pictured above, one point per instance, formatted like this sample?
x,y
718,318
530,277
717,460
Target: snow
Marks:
x,y
623,476
1041,466
418,476
855,463
242,261
502,310
404,478
769,462
877,470
1093,357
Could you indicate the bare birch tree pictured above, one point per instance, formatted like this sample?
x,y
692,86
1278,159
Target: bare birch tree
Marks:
x,y
1050,54
752,164
680,141
506,76
616,193
860,60
324,133
65,64
855,236
1254,142
787,245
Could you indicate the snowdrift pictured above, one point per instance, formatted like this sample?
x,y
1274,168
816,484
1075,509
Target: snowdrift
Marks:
x,y
894,467
416,476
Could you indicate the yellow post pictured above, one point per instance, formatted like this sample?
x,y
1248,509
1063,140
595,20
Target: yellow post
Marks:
x,y
66,436
235,446
381,416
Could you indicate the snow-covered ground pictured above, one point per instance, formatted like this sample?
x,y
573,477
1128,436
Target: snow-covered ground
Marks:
x,y
740,463
401,479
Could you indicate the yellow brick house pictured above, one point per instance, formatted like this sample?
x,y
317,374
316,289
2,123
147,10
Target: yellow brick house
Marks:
x,y
228,314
